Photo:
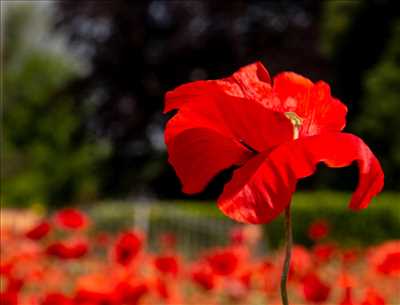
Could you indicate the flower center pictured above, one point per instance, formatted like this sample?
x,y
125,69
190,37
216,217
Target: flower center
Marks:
x,y
296,122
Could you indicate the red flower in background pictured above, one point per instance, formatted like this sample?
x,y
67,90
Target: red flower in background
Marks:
x,y
349,256
96,288
314,289
167,264
324,252
301,262
71,219
131,292
38,231
223,261
372,297
347,297
56,299
386,258
318,230
237,236
9,297
127,247
203,276
168,241
71,249
275,132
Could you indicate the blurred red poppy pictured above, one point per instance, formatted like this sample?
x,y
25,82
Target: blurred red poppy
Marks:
x,y
223,261
347,297
71,219
237,236
167,264
349,256
323,252
372,297
71,249
168,241
131,292
9,297
96,288
56,299
127,247
202,275
162,289
12,283
38,231
318,230
301,262
276,133
386,258
314,289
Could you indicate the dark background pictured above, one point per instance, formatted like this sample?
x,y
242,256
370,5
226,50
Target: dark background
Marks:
x,y
98,132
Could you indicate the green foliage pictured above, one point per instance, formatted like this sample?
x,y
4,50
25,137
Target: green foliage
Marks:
x,y
381,106
336,19
45,158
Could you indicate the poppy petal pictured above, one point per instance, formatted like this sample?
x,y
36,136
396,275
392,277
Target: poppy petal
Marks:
x,y
178,97
263,187
208,136
199,154
233,117
320,112
252,82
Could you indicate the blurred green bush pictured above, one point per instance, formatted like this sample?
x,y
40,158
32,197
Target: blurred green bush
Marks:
x,y
46,158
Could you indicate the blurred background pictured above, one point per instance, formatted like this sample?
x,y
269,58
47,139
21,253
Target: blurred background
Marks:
x,y
83,87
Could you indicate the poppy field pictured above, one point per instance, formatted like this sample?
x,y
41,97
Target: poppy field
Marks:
x,y
60,259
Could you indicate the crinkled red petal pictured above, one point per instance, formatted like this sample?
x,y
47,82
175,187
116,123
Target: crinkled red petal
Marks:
x,y
261,189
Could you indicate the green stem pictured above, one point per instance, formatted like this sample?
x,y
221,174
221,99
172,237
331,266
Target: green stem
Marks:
x,y
286,264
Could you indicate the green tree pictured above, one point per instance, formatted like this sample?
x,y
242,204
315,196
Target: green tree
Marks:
x,y
380,116
45,157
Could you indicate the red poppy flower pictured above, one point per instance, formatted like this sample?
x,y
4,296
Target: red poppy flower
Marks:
x,y
349,256
372,297
276,133
167,264
223,261
9,298
56,299
347,297
71,219
14,283
314,289
127,247
301,262
386,258
203,276
71,249
318,230
168,241
131,292
96,288
38,231
324,252
237,236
